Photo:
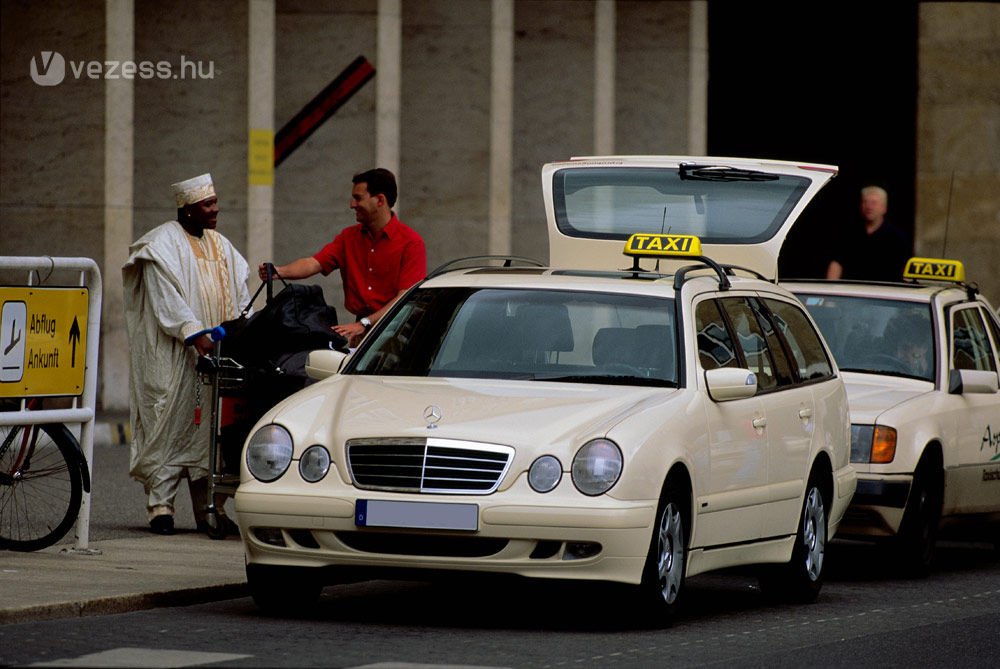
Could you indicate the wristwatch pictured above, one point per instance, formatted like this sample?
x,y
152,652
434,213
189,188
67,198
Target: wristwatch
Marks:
x,y
365,322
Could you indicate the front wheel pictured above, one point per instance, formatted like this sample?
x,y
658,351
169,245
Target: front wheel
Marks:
x,y
918,532
802,578
663,575
41,485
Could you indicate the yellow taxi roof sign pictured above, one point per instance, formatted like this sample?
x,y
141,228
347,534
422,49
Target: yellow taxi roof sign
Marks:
x,y
936,269
653,245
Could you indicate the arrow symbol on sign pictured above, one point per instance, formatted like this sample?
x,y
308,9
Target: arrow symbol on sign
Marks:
x,y
74,337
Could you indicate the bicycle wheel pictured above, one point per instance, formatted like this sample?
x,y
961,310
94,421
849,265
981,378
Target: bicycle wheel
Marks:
x,y
40,489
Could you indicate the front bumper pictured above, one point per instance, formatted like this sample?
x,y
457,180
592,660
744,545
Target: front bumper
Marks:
x,y
607,542
877,507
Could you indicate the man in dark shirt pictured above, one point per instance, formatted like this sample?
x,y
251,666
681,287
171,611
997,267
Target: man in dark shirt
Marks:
x,y
876,250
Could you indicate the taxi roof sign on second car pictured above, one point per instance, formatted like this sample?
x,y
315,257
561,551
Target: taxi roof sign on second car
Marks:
x,y
937,269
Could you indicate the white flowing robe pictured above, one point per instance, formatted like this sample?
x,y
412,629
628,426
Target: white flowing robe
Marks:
x,y
175,285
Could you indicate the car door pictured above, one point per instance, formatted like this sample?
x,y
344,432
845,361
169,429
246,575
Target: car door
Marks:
x,y
813,370
972,460
730,504
787,418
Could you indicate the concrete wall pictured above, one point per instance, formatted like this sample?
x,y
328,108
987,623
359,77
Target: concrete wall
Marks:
x,y
958,147
52,139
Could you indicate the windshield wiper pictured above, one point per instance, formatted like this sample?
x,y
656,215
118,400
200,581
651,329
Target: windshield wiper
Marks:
x,y
696,172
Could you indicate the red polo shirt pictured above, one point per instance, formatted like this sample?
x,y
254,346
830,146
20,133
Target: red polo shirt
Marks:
x,y
374,269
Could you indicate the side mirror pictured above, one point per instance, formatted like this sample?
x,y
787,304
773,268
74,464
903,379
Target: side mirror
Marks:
x,y
730,383
965,381
323,363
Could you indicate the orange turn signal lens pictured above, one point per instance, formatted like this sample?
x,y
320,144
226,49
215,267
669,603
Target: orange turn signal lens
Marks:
x,y
883,445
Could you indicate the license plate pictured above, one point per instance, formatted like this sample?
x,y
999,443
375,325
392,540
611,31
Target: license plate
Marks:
x,y
418,515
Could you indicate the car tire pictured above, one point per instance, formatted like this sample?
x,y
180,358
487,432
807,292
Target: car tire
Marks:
x,y
284,590
918,531
800,580
663,575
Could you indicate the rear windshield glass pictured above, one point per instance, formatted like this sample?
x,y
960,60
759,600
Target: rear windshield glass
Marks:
x,y
612,203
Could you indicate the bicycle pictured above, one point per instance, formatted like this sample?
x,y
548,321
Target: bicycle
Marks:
x,y
43,475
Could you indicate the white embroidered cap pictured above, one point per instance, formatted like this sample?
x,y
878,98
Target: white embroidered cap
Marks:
x,y
193,190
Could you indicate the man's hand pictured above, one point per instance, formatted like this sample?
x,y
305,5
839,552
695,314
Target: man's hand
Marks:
x,y
204,345
352,332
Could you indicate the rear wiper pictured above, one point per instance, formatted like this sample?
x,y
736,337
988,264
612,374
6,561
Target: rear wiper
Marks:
x,y
696,172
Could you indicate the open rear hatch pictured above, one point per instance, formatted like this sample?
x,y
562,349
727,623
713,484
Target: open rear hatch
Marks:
x,y
740,208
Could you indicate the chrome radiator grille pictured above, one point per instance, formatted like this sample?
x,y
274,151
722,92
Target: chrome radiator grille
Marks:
x,y
428,465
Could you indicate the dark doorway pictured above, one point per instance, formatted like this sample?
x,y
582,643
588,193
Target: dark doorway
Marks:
x,y
831,83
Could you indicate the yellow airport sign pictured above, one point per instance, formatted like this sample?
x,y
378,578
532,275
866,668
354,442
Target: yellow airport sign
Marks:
x,y
43,340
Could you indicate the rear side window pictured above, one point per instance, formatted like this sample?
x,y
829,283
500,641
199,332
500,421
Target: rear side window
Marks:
x,y
803,341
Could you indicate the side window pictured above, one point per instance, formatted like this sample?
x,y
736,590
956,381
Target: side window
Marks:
x,y
715,345
782,367
802,339
994,326
970,344
751,340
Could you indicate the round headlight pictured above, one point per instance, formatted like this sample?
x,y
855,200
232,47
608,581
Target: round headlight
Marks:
x,y
544,474
597,467
269,452
314,463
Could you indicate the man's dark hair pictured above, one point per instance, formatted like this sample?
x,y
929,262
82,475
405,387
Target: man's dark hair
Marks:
x,y
380,181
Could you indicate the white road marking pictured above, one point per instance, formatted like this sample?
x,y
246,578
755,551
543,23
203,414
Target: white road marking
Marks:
x,y
142,658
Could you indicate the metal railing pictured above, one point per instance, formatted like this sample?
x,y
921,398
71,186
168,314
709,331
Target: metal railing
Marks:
x,y
83,406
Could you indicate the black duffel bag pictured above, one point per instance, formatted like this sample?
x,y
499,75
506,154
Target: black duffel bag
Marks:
x,y
296,320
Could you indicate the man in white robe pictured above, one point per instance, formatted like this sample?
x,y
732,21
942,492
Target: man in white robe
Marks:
x,y
182,277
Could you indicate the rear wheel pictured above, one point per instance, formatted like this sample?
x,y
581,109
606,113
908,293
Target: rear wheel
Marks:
x,y
663,575
802,578
286,590
41,486
918,532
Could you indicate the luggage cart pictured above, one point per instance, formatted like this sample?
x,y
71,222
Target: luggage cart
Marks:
x,y
229,417
242,390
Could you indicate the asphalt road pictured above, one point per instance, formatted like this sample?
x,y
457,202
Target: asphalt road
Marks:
x,y
865,617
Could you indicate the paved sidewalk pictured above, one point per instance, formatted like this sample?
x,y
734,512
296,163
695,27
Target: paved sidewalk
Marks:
x,y
119,575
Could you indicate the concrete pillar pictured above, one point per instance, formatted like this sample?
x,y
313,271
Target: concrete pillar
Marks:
x,y
604,77
501,127
698,85
388,86
118,188
260,146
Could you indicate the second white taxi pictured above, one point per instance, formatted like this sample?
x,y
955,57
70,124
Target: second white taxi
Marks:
x,y
920,359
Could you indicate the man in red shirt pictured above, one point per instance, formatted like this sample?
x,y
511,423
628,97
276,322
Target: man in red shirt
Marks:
x,y
379,258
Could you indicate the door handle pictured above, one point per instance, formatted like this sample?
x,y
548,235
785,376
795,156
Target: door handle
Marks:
x,y
805,413
759,422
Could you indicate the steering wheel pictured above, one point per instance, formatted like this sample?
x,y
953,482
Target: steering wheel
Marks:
x,y
890,363
621,369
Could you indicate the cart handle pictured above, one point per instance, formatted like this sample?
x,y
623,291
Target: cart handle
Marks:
x,y
216,334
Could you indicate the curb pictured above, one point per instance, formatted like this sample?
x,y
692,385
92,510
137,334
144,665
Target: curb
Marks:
x,y
123,603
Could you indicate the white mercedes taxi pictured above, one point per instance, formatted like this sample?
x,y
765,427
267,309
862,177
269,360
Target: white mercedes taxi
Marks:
x,y
637,424
920,361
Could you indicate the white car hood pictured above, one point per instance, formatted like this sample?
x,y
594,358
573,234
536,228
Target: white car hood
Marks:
x,y
501,412
870,395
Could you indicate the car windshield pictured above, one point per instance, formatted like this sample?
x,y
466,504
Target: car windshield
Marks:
x,y
718,205
876,336
541,335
